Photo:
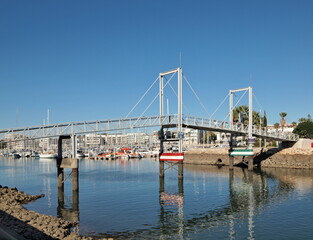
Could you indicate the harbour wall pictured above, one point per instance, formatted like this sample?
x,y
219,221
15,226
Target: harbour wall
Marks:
x,y
280,158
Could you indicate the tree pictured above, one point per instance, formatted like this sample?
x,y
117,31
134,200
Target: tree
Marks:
x,y
264,120
241,114
3,144
309,119
282,120
301,120
276,126
294,124
304,129
212,137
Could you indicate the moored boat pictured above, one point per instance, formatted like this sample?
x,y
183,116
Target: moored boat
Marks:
x,y
16,155
48,155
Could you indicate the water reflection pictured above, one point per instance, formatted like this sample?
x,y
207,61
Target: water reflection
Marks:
x,y
249,193
212,203
68,210
172,211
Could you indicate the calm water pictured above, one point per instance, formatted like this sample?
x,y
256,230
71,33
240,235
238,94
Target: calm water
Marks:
x,y
125,199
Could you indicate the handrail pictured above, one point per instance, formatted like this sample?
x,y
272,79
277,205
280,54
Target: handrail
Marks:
x,y
99,126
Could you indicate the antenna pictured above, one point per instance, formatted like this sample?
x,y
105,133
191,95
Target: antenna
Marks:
x,y
48,116
180,59
168,107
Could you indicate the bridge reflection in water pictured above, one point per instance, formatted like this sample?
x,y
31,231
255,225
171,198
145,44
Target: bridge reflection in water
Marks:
x,y
249,194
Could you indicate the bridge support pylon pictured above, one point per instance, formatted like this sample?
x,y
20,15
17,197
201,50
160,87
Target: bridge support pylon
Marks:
x,y
71,163
231,158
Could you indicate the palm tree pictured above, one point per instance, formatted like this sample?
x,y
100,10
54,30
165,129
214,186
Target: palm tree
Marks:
x,y
241,114
282,120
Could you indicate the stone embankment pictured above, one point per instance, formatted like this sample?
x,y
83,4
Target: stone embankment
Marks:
x,y
30,224
291,158
286,158
209,156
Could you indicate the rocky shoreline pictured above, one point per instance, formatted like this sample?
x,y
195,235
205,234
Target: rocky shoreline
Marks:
x,y
30,224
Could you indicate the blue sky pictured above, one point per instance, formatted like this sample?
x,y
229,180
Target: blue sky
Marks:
x,y
88,60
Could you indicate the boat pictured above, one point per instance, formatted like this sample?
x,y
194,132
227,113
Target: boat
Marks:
x,y
26,154
80,154
35,154
16,155
48,155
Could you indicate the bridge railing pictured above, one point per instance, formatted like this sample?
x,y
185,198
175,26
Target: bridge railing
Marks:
x,y
85,127
239,128
103,126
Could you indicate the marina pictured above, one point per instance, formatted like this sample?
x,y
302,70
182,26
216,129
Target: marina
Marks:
x,y
130,120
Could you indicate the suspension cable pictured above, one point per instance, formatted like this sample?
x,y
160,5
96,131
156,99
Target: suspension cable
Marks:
x,y
196,95
258,101
154,99
219,106
236,104
184,106
142,97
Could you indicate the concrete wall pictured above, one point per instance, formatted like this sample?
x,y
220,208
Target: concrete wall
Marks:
x,y
304,143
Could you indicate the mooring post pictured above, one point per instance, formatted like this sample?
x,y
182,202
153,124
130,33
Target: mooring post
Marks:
x,y
59,161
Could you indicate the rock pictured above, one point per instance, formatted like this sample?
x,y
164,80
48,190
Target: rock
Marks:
x,y
30,224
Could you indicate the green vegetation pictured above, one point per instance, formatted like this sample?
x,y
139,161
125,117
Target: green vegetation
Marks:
x,y
241,114
305,127
2,144
276,126
282,120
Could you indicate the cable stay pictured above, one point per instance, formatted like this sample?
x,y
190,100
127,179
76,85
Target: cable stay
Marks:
x,y
219,106
258,101
184,106
236,103
142,97
154,99
202,105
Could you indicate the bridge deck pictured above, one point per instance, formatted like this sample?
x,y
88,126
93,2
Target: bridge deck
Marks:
x,y
170,121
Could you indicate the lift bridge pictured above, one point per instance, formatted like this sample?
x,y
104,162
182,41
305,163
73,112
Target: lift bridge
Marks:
x,y
178,121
